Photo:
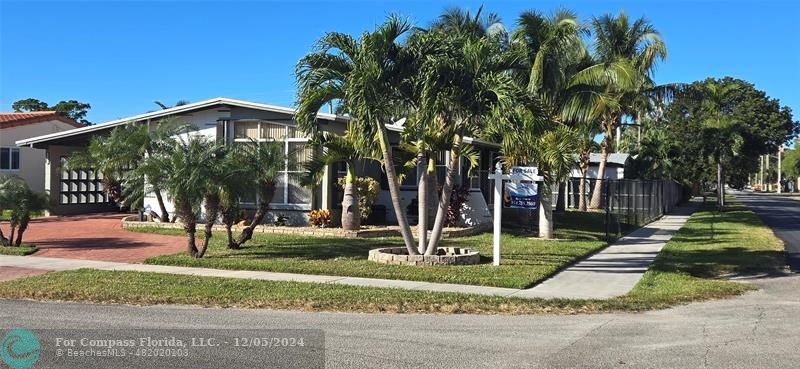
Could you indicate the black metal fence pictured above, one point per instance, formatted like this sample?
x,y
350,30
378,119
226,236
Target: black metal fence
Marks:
x,y
628,203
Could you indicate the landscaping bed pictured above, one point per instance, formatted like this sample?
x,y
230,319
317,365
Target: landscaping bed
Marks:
x,y
130,223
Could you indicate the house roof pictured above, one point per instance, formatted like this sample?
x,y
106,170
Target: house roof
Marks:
x,y
397,126
166,112
16,119
613,158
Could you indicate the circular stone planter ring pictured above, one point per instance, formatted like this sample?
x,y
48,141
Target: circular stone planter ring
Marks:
x,y
444,256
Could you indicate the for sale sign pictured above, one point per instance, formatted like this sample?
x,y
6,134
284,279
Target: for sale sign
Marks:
x,y
520,195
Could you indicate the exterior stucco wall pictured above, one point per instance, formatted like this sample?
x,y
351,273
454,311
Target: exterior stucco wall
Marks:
x,y
32,161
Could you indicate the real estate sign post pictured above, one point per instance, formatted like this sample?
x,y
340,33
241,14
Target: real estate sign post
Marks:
x,y
521,195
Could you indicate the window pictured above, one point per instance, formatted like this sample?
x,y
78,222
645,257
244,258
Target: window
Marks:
x,y
288,190
9,158
81,186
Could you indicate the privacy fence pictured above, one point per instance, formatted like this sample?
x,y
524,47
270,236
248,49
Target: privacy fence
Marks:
x,y
629,203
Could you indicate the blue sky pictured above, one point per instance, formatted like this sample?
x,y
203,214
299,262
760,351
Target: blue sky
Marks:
x,y
120,56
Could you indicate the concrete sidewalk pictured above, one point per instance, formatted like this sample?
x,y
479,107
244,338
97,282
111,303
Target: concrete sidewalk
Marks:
x,y
611,272
616,269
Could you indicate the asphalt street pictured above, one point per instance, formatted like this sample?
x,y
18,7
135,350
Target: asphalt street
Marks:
x,y
782,214
757,330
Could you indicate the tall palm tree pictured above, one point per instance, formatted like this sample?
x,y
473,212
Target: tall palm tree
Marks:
x,y
640,44
585,134
455,88
364,75
719,130
561,87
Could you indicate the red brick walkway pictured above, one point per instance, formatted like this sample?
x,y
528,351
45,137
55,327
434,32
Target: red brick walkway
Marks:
x,y
96,237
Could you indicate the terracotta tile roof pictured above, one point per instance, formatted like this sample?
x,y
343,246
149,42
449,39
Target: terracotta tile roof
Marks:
x,y
8,120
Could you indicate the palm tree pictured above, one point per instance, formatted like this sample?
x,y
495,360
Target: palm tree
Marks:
x,y
331,149
561,86
364,75
586,145
638,43
165,107
118,157
527,137
718,128
460,76
189,162
263,162
16,196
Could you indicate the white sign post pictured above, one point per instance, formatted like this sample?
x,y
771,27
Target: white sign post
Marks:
x,y
517,174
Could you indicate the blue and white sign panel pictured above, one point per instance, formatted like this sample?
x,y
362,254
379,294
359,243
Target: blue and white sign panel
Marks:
x,y
520,195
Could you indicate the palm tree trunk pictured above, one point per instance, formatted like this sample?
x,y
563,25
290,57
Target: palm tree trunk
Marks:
x,y
228,218
422,202
267,191
23,225
394,190
351,213
164,213
545,211
189,226
444,201
601,173
584,168
720,186
11,235
561,203
212,210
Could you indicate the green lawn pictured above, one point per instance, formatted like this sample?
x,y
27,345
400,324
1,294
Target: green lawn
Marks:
x,y
691,267
18,251
525,261
6,214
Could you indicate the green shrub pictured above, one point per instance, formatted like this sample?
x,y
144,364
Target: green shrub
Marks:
x,y
367,188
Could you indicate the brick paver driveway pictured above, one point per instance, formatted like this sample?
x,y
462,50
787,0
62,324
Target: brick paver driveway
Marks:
x,y
96,237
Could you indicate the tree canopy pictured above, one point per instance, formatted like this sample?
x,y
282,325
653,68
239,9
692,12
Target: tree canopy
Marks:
x,y
72,109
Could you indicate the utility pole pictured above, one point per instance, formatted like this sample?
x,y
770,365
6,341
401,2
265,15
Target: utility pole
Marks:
x,y
780,185
769,179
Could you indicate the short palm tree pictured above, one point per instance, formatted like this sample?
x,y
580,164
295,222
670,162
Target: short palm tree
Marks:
x,y
21,201
331,149
527,138
262,163
119,156
190,162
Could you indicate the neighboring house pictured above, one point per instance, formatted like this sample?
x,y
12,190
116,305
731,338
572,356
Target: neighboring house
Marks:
x,y
231,121
27,162
615,166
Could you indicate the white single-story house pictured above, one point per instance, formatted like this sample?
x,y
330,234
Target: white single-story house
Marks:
x,y
25,162
230,121
615,166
